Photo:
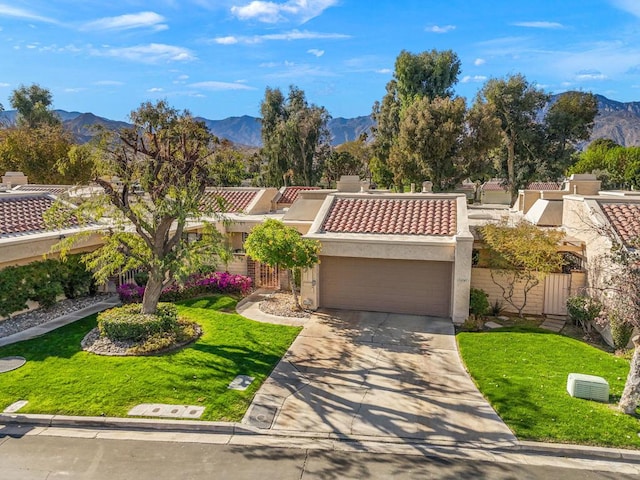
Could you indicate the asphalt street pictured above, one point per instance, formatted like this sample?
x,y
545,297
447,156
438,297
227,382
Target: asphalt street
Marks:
x,y
39,457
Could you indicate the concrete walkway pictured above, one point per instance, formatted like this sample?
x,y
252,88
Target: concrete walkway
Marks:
x,y
33,332
377,375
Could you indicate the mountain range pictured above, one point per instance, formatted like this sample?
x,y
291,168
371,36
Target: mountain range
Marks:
x,y
619,121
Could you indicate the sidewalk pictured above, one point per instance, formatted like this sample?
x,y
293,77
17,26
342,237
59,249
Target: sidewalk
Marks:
x,y
243,434
33,332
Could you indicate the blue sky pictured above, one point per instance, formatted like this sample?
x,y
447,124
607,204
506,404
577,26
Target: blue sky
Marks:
x,y
216,57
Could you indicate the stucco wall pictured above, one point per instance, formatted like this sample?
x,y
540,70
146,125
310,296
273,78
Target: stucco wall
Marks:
x,y
481,278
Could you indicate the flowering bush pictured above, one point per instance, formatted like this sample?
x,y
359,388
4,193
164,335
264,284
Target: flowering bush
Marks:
x,y
216,282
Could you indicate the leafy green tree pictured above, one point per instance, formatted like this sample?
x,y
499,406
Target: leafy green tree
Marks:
x,y
519,257
359,149
227,168
515,103
432,131
41,153
277,245
569,121
295,137
154,176
33,105
339,164
429,74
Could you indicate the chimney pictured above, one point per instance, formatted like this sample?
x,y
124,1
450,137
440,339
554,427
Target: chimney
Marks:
x,y
427,187
14,178
349,183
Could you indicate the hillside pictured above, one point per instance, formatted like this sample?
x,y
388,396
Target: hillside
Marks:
x,y
618,121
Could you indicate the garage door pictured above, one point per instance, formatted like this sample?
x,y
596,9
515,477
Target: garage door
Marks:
x,y
398,286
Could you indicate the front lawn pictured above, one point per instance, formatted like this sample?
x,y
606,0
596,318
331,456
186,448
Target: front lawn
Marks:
x,y
523,373
60,378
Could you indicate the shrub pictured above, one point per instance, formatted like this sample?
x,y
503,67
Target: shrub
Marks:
x,y
472,324
496,308
583,311
478,302
216,282
621,331
127,323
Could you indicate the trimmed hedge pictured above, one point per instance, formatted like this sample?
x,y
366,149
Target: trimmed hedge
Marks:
x,y
127,323
42,282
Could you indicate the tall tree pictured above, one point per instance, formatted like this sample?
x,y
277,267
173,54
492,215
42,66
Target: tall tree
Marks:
x,y
154,177
33,105
339,164
429,74
432,132
515,103
41,153
295,137
569,121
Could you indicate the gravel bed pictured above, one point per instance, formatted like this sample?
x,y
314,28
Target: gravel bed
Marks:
x,y
282,304
39,316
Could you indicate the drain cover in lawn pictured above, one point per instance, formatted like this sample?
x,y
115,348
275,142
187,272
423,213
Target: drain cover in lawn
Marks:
x,y
241,382
11,363
166,411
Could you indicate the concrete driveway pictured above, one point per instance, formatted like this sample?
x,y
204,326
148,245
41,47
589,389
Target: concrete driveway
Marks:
x,y
373,374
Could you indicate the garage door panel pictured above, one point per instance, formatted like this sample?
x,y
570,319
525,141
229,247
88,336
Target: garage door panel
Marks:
x,y
399,286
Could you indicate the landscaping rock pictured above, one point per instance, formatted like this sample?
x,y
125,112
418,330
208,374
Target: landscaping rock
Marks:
x,y
282,304
492,325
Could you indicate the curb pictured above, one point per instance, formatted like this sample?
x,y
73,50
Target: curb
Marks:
x,y
234,428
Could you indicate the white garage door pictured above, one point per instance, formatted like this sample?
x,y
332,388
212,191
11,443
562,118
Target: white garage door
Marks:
x,y
397,286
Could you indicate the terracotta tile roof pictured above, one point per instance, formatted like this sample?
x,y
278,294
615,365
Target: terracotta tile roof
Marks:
x,y
291,193
23,214
494,186
411,216
233,200
55,189
625,219
544,186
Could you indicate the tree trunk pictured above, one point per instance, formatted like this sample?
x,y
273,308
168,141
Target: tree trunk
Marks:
x,y
511,171
631,395
292,282
152,292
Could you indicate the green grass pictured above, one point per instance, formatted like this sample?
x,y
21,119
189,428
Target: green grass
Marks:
x,y
523,373
60,378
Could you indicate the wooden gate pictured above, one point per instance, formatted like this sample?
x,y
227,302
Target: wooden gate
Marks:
x,y
263,275
557,288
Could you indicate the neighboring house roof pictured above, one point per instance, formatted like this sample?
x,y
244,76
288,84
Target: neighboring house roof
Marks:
x,y
392,216
233,200
544,186
494,186
625,219
54,189
289,194
23,214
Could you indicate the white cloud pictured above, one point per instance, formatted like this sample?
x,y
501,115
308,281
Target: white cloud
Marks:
x,y
108,83
473,79
316,52
4,85
384,71
286,36
440,29
300,11
183,77
630,6
479,61
547,25
9,11
74,90
152,53
214,85
591,75
129,21
155,90
228,40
